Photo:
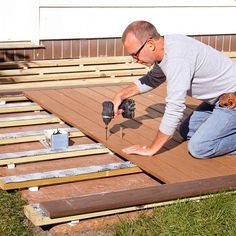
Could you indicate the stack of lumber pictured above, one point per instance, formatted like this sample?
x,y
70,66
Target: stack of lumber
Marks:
x,y
23,75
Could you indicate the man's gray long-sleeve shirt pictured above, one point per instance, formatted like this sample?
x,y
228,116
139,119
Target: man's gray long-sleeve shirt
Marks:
x,y
189,68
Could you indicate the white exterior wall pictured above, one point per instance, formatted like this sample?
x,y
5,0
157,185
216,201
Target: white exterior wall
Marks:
x,y
66,19
19,20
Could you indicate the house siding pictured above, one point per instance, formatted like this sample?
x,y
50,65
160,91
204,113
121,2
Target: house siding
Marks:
x,y
78,48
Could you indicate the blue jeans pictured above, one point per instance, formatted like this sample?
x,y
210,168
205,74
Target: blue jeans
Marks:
x,y
211,131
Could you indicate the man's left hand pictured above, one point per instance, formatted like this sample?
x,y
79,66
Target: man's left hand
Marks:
x,y
139,150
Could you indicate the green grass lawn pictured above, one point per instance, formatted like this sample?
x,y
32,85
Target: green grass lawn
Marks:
x,y
12,219
209,217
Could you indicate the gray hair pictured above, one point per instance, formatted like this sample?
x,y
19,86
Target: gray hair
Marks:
x,y
142,30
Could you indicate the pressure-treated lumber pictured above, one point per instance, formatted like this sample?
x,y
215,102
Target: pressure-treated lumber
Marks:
x,y
51,70
67,73
28,120
68,175
70,76
19,107
36,135
49,154
66,62
66,83
12,98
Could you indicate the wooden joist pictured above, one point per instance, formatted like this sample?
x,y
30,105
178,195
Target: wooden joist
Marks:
x,y
49,154
28,120
12,98
124,201
36,135
19,107
68,175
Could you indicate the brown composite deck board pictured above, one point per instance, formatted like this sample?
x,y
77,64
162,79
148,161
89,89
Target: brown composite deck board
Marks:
x,y
84,111
91,110
74,115
150,132
135,197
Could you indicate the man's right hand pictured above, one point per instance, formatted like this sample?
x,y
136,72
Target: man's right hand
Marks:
x,y
127,92
117,101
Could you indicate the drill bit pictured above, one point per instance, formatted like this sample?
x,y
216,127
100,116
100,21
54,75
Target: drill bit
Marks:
x,y
106,131
121,132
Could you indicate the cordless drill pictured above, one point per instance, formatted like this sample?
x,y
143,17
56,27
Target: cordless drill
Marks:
x,y
127,106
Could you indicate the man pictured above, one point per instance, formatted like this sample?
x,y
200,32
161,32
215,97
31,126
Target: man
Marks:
x,y
189,68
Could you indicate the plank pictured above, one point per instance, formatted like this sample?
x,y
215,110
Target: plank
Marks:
x,y
66,83
135,197
70,76
12,98
66,62
66,69
67,175
49,154
19,107
28,120
36,135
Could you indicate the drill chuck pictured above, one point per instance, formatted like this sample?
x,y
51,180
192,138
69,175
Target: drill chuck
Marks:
x,y
107,112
